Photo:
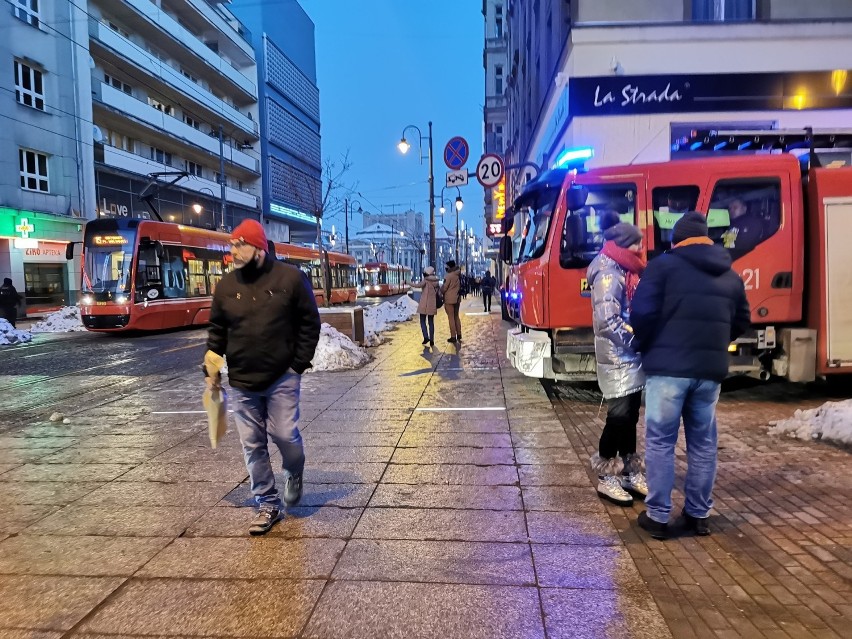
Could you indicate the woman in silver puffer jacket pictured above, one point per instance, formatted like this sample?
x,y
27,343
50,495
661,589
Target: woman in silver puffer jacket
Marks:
x,y
613,276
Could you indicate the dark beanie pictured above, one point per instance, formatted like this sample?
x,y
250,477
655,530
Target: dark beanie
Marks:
x,y
692,224
623,234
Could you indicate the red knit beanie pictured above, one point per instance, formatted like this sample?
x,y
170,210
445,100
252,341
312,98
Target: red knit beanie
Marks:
x,y
250,232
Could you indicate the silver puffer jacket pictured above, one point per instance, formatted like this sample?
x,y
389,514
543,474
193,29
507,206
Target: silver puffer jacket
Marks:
x,y
619,366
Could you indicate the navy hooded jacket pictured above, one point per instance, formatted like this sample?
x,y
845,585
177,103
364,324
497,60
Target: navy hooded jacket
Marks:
x,y
689,306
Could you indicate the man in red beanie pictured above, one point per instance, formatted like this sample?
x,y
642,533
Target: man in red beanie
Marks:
x,y
265,320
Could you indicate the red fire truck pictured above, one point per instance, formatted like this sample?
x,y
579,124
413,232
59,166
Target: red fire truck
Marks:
x,y
785,214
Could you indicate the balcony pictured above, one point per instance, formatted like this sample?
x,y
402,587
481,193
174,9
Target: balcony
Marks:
x,y
127,51
126,161
175,128
147,19
238,35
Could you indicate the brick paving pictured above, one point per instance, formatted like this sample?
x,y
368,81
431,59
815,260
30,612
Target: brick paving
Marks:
x,y
779,561
418,519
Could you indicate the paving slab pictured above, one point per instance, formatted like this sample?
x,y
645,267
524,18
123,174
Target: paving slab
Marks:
x,y
173,472
562,498
207,607
554,475
594,567
16,517
313,494
365,610
442,496
457,455
67,472
451,474
415,439
119,521
325,521
45,492
433,524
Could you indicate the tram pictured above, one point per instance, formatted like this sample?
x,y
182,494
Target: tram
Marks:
x,y
381,279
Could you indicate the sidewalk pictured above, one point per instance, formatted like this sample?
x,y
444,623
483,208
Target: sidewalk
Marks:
x,y
443,498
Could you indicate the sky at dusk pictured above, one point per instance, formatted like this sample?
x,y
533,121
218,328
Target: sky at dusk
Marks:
x,y
384,64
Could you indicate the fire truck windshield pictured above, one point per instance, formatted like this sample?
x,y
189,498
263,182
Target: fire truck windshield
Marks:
x,y
108,259
537,224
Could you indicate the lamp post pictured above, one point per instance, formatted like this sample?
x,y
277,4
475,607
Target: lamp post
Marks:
x,y
459,205
348,205
403,147
198,208
221,174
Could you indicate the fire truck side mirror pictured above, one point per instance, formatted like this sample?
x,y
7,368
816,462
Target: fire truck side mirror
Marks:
x,y
576,197
506,249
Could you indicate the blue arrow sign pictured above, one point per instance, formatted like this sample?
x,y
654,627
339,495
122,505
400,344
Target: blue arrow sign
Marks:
x,y
456,153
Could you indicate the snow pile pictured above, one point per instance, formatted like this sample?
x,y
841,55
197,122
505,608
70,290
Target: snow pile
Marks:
x,y
65,320
378,319
336,352
832,422
10,335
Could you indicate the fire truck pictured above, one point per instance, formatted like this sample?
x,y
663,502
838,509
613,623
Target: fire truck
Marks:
x,y
781,203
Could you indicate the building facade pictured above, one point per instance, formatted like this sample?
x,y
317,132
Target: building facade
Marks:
x,y
380,242
632,79
495,59
45,147
282,35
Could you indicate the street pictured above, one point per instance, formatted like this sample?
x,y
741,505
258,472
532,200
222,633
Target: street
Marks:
x,y
446,495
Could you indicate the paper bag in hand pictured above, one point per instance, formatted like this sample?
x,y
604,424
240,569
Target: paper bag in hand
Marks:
x,y
215,402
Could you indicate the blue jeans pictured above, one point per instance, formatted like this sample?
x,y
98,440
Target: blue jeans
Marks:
x,y
264,415
430,334
666,399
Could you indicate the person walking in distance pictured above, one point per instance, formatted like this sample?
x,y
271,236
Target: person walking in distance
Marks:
x,y
9,300
452,300
688,308
613,276
264,319
427,307
487,285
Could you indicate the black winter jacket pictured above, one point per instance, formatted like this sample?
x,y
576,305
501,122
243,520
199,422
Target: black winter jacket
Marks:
x,y
265,321
689,306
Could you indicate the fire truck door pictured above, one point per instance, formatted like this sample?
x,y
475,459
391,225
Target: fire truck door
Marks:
x,y
838,274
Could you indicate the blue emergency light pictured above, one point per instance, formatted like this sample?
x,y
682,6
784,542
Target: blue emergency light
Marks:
x,y
570,157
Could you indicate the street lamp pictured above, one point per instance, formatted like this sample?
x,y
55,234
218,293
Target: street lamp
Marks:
x,y
349,205
404,146
198,208
459,205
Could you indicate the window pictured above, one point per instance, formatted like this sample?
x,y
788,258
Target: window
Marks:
x,y
219,180
121,141
498,21
33,171
193,169
191,121
744,213
112,25
498,138
498,79
669,204
538,213
160,106
158,155
723,10
26,10
188,75
118,84
581,235
29,86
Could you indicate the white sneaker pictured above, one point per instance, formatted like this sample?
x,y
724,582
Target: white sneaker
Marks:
x,y
609,487
635,483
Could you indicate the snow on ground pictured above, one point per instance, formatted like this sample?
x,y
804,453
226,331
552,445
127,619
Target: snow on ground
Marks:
x,y
65,320
9,335
378,319
336,352
832,422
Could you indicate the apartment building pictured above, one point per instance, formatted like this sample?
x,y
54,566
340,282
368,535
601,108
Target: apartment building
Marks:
x,y
630,79
173,90
282,35
45,148
495,60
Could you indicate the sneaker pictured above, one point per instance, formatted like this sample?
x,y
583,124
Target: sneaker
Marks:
x,y
655,528
609,487
424,342
452,340
636,484
699,525
264,520
292,489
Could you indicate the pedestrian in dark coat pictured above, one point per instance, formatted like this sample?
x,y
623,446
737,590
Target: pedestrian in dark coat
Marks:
x,y
688,308
613,277
487,285
264,319
9,300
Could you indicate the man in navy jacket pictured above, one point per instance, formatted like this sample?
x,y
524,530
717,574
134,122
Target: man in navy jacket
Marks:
x,y
689,306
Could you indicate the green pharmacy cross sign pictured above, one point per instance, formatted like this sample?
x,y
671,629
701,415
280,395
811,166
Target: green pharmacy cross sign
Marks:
x,y
25,228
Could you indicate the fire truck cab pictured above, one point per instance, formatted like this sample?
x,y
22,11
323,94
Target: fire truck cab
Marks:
x,y
785,218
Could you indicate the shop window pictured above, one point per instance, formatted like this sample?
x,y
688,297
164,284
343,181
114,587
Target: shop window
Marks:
x,y
669,203
33,171
45,285
744,213
29,86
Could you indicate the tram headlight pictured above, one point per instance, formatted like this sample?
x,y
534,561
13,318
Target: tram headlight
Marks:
x,y
87,300
121,299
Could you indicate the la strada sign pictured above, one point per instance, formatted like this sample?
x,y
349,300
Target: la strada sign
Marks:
x,y
726,92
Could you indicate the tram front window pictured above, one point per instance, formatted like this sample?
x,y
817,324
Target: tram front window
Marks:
x,y
107,265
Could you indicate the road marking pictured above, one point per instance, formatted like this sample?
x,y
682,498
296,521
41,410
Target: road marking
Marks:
x,y
180,348
482,313
181,412
445,410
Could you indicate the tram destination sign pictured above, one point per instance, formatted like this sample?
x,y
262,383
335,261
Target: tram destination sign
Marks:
x,y
641,94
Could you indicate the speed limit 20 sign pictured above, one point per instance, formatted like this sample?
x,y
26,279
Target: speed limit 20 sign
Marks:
x,y
489,170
